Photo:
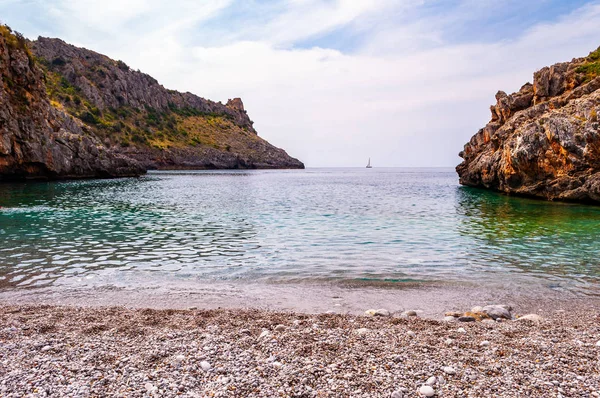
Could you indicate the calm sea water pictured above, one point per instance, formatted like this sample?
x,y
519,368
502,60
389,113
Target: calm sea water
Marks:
x,y
347,226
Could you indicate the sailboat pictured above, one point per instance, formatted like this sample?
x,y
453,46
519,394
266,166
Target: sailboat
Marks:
x,y
369,164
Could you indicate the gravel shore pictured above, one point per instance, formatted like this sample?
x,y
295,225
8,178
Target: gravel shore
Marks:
x,y
80,352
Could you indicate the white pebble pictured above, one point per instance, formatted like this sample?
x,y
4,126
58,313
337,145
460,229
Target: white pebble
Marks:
x,y
485,343
361,331
397,394
264,334
277,364
461,330
411,333
449,370
449,319
280,328
46,348
379,312
427,391
449,341
205,366
598,343
530,317
180,358
431,381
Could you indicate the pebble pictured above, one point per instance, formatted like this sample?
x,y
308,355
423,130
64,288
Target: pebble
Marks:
x,y
180,358
431,381
449,370
361,331
264,334
449,319
277,364
149,387
453,314
397,394
280,328
484,343
46,348
466,319
449,341
598,343
205,366
411,333
461,330
409,313
530,317
477,309
498,311
427,391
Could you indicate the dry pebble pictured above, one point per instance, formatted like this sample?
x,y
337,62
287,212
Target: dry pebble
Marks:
x,y
97,352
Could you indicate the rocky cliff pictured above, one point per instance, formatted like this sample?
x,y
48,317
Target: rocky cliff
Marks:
x,y
544,140
38,140
134,115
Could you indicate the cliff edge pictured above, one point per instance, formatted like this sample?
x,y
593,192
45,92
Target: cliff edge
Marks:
x,y
544,140
137,117
37,140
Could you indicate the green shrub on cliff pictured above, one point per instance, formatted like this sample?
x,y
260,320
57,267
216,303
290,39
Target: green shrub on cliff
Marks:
x,y
15,40
591,67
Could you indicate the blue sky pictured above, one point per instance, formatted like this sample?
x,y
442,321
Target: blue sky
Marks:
x,y
405,82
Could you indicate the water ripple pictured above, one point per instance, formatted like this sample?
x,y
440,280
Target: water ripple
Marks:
x,y
350,226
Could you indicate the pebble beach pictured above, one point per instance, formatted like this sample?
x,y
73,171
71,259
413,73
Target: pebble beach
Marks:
x,y
115,351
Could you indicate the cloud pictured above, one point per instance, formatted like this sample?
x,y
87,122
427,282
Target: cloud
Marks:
x,y
410,94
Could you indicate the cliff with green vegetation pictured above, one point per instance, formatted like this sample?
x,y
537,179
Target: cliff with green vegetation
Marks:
x,y
543,141
37,139
132,114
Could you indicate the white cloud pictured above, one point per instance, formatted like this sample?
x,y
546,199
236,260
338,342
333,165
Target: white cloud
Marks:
x,y
407,96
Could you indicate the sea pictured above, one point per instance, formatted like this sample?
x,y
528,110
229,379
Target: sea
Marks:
x,y
320,239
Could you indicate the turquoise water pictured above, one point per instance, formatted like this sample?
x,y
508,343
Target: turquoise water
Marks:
x,y
346,226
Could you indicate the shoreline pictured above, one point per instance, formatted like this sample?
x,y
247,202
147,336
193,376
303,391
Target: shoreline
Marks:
x,y
84,351
430,300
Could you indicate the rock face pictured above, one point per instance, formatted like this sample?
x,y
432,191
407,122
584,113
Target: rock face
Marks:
x,y
37,140
136,116
544,140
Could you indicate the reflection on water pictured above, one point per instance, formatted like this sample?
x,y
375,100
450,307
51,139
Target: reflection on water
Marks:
x,y
343,225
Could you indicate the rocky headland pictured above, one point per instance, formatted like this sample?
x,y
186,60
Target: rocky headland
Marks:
x,y
39,140
543,141
67,112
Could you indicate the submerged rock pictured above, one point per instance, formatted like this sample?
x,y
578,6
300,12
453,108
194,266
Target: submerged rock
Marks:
x,y
544,140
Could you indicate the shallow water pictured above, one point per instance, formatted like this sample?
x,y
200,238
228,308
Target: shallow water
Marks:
x,y
361,228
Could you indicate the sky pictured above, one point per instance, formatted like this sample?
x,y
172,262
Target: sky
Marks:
x,y
334,82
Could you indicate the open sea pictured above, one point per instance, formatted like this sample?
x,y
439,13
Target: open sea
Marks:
x,y
331,229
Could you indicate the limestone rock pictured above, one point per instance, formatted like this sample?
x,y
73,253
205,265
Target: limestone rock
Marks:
x,y
142,120
544,140
39,140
